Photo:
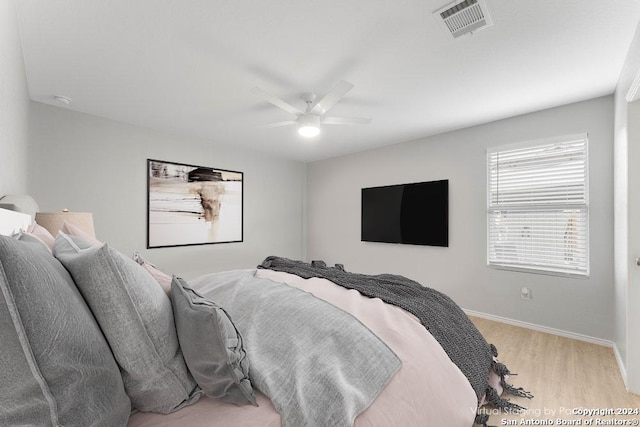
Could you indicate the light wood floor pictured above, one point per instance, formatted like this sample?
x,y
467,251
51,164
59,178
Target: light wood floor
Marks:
x,y
563,374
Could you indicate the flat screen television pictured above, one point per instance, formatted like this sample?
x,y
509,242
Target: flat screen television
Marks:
x,y
414,214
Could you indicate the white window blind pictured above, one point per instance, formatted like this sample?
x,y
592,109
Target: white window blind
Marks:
x,y
538,207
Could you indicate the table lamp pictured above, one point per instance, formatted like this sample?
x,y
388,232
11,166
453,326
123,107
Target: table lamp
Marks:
x,y
53,221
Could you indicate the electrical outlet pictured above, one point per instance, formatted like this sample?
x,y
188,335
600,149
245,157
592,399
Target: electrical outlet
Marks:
x,y
525,293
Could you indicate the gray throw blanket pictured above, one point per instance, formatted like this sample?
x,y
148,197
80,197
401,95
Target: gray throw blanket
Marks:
x,y
444,319
318,364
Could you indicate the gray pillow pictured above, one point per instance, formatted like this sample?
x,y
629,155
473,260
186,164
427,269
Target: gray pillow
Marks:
x,y
136,318
212,346
55,366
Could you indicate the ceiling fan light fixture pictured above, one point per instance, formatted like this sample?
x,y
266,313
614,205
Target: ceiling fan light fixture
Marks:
x,y
309,125
308,131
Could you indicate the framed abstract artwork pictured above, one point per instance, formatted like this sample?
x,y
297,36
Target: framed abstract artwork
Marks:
x,y
192,205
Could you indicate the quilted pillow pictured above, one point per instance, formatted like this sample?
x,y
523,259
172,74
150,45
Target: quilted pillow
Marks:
x,y
212,346
163,279
73,230
41,233
137,320
55,366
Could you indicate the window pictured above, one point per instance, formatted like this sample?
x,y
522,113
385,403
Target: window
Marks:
x,y
538,207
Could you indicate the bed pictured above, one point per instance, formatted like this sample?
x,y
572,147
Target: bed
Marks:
x,y
286,343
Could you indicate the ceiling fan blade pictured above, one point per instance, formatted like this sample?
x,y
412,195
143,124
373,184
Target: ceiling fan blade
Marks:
x,y
272,99
329,120
329,100
285,123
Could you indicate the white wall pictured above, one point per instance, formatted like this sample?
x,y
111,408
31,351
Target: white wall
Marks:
x,y
633,287
627,228
578,306
14,105
85,163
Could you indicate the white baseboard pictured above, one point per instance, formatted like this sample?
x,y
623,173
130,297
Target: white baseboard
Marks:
x,y
545,329
621,366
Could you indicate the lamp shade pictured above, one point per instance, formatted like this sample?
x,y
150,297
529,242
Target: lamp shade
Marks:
x,y
53,221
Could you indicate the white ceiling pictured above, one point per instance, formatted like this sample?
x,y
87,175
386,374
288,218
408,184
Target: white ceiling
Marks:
x,y
188,66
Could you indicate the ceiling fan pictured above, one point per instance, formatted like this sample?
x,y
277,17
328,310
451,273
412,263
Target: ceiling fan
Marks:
x,y
309,120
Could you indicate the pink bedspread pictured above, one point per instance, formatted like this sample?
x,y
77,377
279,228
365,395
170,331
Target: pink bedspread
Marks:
x,y
429,390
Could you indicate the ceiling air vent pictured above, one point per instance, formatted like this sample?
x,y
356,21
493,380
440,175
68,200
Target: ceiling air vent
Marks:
x,y
463,17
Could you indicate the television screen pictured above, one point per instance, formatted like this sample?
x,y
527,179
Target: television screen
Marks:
x,y
414,214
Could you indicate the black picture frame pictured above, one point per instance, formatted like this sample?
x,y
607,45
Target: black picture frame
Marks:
x,y
193,205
